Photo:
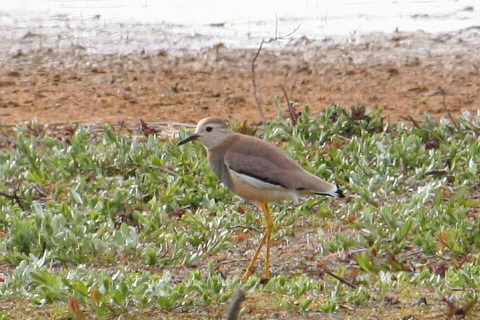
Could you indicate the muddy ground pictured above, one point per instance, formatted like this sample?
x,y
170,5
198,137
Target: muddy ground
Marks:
x,y
406,74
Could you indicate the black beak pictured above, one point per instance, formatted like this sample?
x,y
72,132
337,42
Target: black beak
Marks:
x,y
188,139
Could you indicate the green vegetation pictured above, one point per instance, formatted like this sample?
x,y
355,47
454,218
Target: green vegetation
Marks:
x,y
115,226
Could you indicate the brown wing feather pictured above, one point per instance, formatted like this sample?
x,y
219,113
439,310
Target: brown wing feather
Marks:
x,y
272,165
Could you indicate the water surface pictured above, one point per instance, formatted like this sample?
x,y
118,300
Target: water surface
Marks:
x,y
107,26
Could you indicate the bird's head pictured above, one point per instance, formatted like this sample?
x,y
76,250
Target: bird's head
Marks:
x,y
210,132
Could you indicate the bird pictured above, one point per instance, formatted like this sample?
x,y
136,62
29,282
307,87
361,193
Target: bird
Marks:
x,y
257,171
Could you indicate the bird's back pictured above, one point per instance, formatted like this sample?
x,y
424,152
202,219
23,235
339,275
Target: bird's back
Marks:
x,y
251,157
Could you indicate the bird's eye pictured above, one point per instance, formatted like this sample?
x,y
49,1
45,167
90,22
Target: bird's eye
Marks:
x,y
209,129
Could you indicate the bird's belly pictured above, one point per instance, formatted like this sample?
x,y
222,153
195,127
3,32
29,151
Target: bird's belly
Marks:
x,y
255,190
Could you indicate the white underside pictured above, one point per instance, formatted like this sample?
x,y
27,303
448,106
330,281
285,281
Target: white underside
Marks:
x,y
255,190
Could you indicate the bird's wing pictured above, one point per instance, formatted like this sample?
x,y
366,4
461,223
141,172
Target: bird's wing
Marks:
x,y
261,160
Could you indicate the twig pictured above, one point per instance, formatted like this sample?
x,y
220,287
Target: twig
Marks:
x,y
14,197
230,261
236,305
276,26
150,166
442,91
43,193
164,254
436,173
283,37
448,111
415,123
337,277
245,227
254,82
344,138
291,110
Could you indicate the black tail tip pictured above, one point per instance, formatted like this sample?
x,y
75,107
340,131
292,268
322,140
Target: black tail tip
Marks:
x,y
339,192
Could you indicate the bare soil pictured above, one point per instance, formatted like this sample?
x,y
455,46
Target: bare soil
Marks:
x,y
405,74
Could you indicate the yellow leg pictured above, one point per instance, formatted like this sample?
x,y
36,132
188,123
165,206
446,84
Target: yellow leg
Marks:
x,y
251,266
265,239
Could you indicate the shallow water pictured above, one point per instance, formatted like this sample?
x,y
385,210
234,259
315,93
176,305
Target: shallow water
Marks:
x,y
121,26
